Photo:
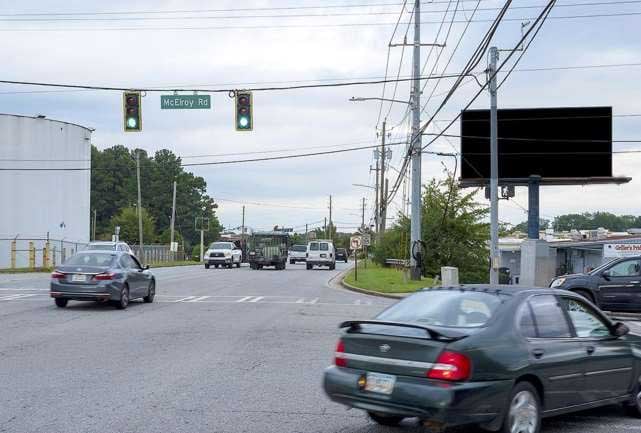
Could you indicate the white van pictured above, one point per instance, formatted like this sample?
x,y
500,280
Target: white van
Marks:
x,y
321,253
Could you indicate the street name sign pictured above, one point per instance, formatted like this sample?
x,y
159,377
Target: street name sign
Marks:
x,y
185,102
367,240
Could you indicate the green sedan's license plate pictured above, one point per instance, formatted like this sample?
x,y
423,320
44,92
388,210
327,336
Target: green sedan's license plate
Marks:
x,y
380,383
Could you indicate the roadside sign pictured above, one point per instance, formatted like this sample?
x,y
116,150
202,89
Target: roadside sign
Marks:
x,y
356,242
173,247
185,102
621,250
367,240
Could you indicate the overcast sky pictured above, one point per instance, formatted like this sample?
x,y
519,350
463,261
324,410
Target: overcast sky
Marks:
x,y
216,49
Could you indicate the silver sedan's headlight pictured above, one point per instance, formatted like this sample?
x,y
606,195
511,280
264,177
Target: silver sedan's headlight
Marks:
x,y
558,282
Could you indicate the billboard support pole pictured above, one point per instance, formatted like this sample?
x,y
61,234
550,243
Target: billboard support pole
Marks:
x,y
494,171
533,207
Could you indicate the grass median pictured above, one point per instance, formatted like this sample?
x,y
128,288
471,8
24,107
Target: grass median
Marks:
x,y
384,280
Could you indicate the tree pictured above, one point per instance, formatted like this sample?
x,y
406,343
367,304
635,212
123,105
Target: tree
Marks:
x,y
522,226
593,221
114,187
453,229
127,220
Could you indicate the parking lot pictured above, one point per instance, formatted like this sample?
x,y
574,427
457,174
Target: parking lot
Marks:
x,y
221,350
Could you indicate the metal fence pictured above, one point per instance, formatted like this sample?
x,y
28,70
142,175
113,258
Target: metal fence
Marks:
x,y
44,253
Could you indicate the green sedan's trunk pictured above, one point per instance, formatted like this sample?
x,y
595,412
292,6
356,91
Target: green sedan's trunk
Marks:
x,y
391,354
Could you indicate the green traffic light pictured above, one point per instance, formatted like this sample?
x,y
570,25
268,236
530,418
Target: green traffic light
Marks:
x,y
243,122
131,122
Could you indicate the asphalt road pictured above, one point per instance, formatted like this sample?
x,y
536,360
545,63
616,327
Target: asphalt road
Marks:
x,y
221,350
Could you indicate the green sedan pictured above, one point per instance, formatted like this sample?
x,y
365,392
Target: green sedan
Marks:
x,y
501,357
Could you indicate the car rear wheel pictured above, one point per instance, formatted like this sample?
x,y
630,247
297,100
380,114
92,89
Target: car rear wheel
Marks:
x,y
309,266
385,419
238,263
634,407
216,266
123,302
523,414
151,293
206,265
291,262
61,302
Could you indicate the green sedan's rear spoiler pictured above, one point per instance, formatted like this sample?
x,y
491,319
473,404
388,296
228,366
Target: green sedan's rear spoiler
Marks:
x,y
434,334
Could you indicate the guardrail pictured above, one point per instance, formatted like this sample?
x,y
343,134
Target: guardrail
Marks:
x,y
397,263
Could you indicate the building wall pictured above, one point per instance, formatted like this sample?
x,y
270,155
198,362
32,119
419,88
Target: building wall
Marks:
x,y
43,204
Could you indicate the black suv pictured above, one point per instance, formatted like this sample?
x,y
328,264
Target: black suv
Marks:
x,y
341,254
614,286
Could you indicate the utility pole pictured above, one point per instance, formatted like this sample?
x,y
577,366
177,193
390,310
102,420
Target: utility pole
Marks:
x,y
242,226
173,220
325,227
384,208
142,251
383,200
376,211
306,234
95,218
363,215
416,144
330,217
494,170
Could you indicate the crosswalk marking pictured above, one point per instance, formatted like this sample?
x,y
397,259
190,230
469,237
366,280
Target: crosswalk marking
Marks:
x,y
198,299
16,296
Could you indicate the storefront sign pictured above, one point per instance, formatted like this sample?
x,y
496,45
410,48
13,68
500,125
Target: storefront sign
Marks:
x,y
621,250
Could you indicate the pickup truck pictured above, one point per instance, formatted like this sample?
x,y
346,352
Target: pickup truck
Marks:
x,y
297,253
225,254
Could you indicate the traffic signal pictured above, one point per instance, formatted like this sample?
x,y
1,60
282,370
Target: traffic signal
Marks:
x,y
132,111
244,111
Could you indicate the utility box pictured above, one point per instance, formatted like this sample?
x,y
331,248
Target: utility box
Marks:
x,y
449,276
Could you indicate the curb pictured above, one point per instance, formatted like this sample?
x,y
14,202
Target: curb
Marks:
x,y
369,292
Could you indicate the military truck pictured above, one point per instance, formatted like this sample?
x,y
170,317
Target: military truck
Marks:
x,y
268,249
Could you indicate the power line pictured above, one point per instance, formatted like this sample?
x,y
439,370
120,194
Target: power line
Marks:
x,y
112,18
205,90
195,164
304,26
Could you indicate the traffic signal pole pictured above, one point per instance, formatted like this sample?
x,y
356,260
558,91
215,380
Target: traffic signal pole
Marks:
x,y
416,145
142,250
494,171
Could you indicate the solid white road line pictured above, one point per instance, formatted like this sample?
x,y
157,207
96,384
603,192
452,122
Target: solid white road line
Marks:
x,y
6,289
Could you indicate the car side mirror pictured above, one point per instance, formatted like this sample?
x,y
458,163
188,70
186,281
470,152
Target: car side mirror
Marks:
x,y
146,267
606,274
620,329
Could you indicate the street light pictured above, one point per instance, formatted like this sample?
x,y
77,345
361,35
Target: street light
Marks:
x,y
363,186
355,99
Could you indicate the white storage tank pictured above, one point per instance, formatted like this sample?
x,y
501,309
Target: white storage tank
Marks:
x,y
45,187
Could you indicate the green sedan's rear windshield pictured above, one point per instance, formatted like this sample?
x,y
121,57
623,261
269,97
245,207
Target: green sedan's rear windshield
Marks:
x,y
447,308
91,259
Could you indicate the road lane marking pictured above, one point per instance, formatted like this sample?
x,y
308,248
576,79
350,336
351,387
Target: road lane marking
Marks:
x,y
244,299
6,289
313,301
198,299
257,298
184,299
15,297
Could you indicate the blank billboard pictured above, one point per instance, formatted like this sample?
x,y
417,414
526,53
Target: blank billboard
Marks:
x,y
550,142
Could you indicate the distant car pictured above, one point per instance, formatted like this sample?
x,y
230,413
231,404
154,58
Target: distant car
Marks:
x,y
225,254
297,253
614,286
109,246
321,253
104,276
499,356
341,254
